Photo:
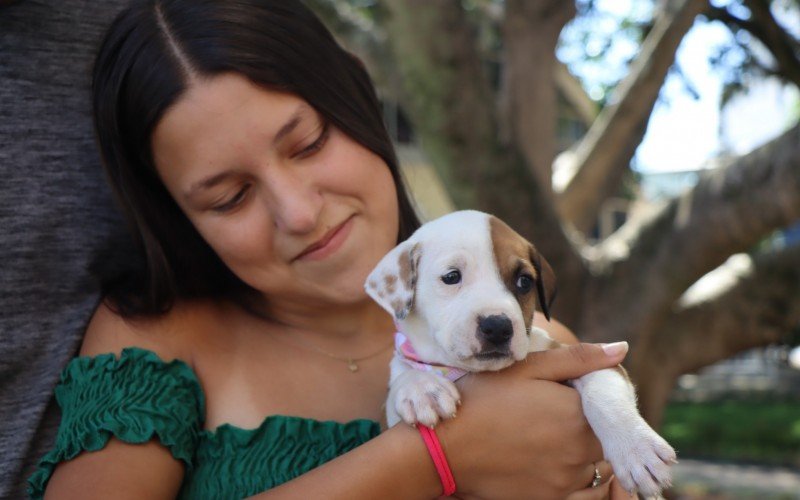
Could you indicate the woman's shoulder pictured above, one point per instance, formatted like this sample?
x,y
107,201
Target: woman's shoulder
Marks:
x,y
170,335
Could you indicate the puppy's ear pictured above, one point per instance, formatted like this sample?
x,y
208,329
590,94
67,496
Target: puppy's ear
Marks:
x,y
545,281
393,282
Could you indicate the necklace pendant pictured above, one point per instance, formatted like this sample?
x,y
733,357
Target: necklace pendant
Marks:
x,y
352,365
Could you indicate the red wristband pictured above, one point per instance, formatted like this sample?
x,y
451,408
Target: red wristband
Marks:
x,y
439,460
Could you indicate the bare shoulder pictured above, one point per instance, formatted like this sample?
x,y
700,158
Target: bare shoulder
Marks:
x,y
170,335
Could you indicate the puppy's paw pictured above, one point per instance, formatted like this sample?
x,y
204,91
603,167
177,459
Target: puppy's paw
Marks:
x,y
421,397
641,460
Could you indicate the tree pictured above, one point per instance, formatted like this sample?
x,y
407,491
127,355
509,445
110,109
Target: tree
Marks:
x,y
491,134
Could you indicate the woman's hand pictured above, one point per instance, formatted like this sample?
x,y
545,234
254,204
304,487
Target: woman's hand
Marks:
x,y
520,433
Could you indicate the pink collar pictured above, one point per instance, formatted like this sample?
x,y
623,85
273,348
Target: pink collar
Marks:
x,y
409,356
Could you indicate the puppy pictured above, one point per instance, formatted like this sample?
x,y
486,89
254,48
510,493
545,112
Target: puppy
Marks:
x,y
462,290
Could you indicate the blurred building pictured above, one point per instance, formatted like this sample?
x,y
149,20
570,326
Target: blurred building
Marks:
x,y
755,374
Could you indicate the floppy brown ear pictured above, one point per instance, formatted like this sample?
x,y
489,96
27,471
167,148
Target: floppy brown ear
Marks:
x,y
545,282
393,282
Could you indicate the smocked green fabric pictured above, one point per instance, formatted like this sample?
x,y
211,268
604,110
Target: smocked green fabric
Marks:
x,y
138,397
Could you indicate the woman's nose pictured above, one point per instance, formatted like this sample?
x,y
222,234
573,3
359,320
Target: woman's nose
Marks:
x,y
295,203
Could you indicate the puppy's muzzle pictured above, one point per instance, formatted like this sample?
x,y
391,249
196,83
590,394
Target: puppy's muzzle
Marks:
x,y
494,333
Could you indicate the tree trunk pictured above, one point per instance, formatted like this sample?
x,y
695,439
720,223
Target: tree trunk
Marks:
x,y
530,35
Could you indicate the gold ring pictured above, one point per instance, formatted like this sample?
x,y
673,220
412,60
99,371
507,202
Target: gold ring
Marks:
x,y
597,477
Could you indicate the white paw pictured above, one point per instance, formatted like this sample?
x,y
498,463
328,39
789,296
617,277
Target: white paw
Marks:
x,y
422,397
641,460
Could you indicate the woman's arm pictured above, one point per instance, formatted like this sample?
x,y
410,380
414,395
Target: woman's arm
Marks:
x,y
518,434
503,444
120,470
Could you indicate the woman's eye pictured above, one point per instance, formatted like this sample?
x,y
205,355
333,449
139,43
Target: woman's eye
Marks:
x,y
452,278
524,283
231,203
316,145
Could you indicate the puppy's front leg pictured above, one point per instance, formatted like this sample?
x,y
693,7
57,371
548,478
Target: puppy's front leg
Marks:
x,y
419,397
641,458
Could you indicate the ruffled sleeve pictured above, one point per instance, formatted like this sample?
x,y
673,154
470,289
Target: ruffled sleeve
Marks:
x,y
134,398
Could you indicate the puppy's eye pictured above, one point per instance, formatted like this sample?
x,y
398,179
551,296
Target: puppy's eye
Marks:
x,y
524,283
452,278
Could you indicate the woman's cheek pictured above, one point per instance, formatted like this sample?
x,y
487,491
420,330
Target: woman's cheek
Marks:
x,y
240,242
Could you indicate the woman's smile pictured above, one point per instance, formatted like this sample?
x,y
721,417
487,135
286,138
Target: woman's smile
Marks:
x,y
328,244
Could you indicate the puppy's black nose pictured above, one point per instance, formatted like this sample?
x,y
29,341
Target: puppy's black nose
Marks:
x,y
496,329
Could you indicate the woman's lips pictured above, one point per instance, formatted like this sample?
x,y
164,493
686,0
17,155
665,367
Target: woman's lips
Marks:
x,y
329,243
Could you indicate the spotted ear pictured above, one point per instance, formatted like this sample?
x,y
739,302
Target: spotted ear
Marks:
x,y
545,282
393,282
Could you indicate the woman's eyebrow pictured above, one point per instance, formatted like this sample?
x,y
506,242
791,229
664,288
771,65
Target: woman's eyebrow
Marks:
x,y
294,121
288,127
208,182
285,130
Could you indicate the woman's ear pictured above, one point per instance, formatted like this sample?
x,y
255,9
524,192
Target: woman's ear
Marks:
x,y
393,282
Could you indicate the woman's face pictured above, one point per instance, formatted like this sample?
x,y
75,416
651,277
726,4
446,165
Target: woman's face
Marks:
x,y
293,206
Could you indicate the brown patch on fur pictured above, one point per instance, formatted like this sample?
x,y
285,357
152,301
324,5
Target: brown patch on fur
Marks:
x,y
406,270
512,255
555,345
398,305
390,281
407,263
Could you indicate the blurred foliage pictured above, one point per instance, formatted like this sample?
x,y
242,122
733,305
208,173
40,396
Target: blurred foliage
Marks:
x,y
746,59
764,432
599,45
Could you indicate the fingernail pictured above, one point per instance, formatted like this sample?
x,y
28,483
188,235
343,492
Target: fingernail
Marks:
x,y
615,349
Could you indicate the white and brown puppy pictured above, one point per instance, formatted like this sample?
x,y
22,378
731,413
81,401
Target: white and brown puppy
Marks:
x,y
462,290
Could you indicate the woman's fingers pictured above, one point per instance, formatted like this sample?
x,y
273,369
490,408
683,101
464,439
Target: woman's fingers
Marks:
x,y
574,361
599,493
602,490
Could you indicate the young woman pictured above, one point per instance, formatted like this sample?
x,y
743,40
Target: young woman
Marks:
x,y
248,153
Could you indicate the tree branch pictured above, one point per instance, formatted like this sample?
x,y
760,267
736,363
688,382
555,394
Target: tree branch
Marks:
x,y
603,156
759,307
780,43
728,211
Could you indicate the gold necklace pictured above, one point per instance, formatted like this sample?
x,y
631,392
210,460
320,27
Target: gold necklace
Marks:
x,y
351,362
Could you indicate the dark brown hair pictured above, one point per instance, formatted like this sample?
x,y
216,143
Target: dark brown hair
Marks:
x,y
144,64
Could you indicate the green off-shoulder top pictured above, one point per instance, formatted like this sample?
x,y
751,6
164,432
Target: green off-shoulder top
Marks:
x,y
138,397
